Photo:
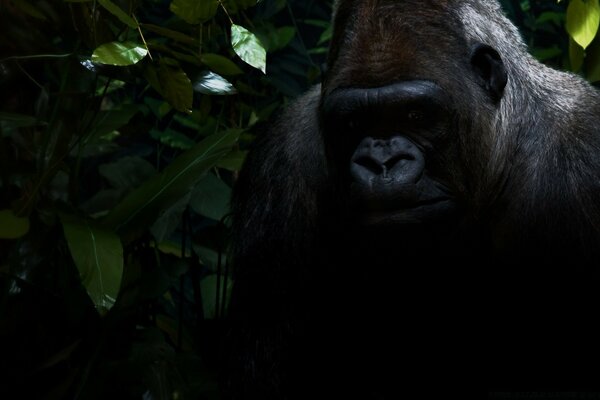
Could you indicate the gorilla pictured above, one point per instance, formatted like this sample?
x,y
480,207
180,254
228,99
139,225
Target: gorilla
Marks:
x,y
425,222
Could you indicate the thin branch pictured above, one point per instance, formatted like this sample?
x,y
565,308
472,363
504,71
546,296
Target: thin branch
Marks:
x,y
142,36
226,13
33,57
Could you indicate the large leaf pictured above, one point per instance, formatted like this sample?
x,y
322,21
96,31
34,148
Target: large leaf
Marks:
x,y
194,11
583,19
117,53
128,172
11,226
143,206
171,34
109,121
172,138
119,13
221,65
211,197
98,255
169,220
210,83
275,38
175,85
247,46
233,161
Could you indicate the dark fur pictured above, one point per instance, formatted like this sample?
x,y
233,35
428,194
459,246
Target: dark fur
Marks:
x,y
502,297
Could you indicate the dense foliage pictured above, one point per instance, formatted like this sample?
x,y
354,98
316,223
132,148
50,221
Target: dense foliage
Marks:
x,y
123,124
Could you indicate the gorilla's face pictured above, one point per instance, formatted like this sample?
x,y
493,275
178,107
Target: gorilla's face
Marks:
x,y
400,95
387,136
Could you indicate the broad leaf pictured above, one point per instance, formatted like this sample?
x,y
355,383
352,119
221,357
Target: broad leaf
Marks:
x,y
109,121
175,85
247,46
171,34
117,53
119,13
128,172
211,197
194,11
221,65
143,206
210,83
11,226
98,255
233,161
583,19
172,138
169,220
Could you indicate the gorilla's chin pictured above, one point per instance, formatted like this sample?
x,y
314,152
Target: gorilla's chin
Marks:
x,y
426,212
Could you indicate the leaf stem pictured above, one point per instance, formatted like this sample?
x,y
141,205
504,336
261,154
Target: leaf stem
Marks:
x,y
226,13
142,36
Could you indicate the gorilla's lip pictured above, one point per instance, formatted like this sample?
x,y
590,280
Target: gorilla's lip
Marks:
x,y
427,210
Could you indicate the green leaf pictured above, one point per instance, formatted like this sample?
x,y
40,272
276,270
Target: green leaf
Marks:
x,y
175,85
171,34
119,13
210,83
172,138
117,53
247,46
211,197
233,161
194,11
169,220
583,19
128,172
221,65
142,206
111,120
11,226
98,255
275,38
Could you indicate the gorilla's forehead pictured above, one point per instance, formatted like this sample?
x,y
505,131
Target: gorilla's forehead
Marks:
x,y
377,41
413,3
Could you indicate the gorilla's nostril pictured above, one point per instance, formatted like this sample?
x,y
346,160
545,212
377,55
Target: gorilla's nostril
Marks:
x,y
370,164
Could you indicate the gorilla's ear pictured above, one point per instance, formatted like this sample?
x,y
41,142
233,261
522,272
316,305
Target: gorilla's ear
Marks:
x,y
489,67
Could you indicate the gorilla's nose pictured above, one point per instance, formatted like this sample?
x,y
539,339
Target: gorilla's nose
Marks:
x,y
396,160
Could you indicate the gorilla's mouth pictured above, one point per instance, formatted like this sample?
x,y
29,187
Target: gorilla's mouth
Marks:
x,y
422,211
